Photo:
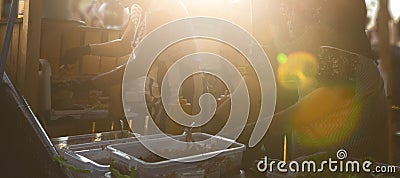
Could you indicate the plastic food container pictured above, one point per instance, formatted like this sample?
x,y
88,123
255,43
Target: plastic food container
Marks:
x,y
88,163
91,160
134,155
61,143
104,144
81,153
79,114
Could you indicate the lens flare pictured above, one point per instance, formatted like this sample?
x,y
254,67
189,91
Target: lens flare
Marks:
x,y
326,118
298,70
282,58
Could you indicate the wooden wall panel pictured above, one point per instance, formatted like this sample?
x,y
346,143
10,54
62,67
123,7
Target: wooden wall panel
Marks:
x,y
72,39
91,64
55,38
50,48
109,63
59,36
29,52
13,55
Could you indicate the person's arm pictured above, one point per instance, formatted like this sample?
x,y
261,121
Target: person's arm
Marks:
x,y
116,48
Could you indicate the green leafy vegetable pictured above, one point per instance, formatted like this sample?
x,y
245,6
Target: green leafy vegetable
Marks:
x,y
117,174
63,162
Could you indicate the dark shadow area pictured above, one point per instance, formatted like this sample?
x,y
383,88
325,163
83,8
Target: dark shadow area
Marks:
x,y
27,152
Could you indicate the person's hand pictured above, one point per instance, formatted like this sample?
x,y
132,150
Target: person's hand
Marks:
x,y
74,54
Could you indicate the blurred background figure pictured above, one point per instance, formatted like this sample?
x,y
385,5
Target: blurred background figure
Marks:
x,y
90,13
327,56
145,16
108,14
76,10
103,13
113,15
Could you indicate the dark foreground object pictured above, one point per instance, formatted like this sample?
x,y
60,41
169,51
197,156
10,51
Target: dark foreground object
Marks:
x,y
27,151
